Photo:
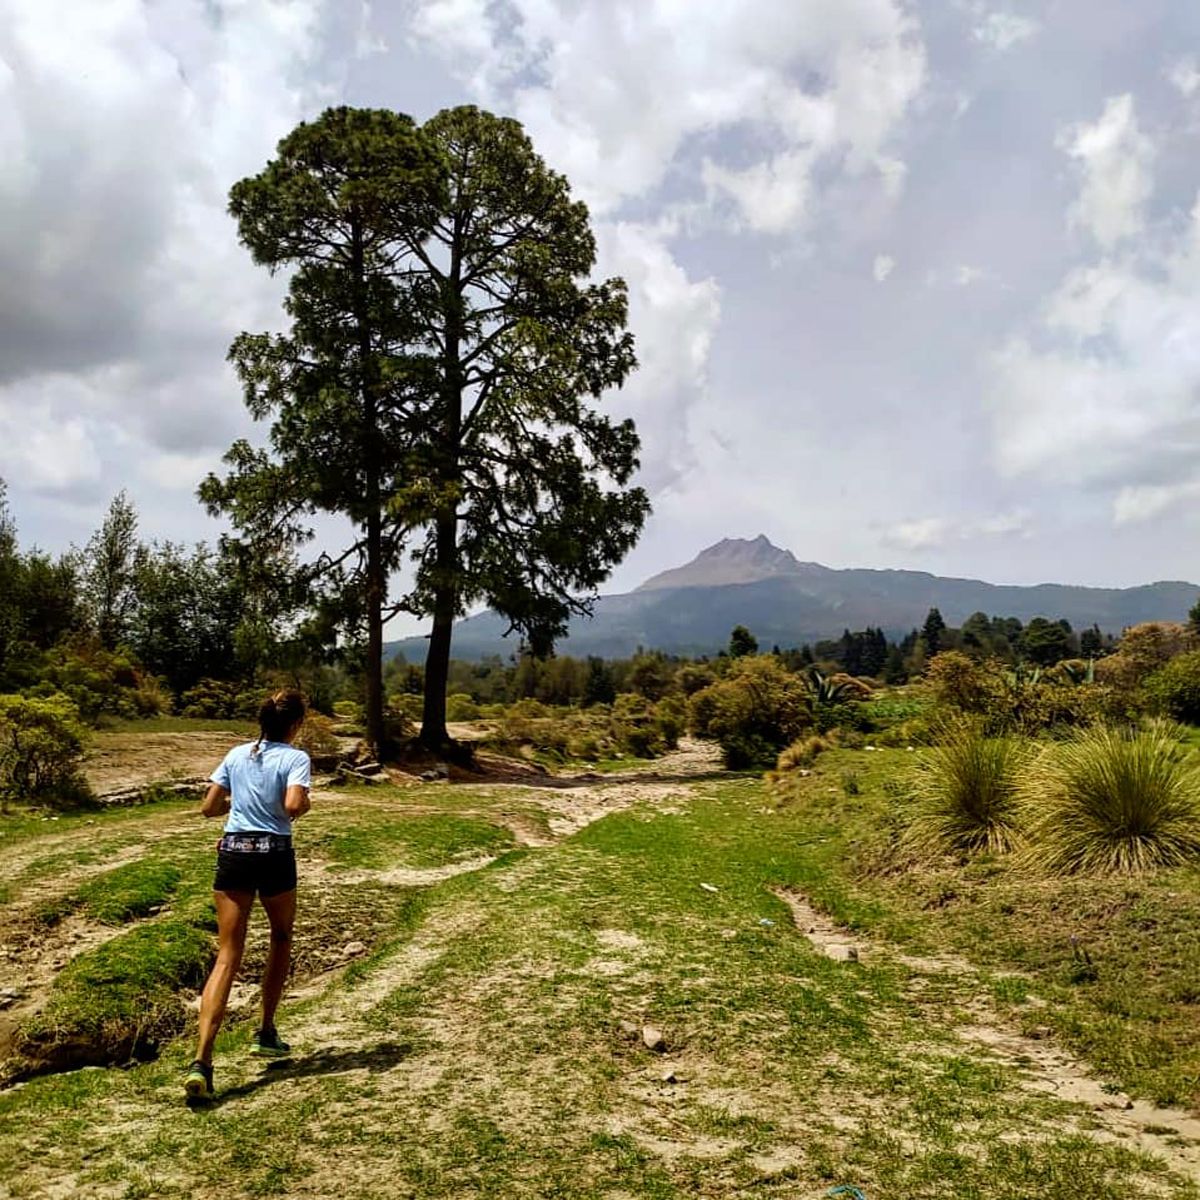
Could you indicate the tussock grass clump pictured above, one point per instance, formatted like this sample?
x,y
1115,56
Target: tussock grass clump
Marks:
x,y
803,752
965,795
1114,802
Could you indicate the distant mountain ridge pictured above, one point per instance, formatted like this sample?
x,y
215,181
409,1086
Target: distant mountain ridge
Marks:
x,y
786,602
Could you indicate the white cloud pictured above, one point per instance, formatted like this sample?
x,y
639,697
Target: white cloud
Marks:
x,y
748,112
1134,505
45,442
933,533
1185,75
1115,160
1105,391
615,94
121,271
367,41
675,318
927,533
965,274
1003,30
885,264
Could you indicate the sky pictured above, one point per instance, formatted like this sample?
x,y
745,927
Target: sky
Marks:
x,y
915,283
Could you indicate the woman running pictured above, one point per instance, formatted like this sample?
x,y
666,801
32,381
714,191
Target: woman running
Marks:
x,y
264,787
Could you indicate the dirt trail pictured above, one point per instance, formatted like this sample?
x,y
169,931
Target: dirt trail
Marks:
x,y
1169,1133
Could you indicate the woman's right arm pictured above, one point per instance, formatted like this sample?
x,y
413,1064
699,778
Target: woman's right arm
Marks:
x,y
296,802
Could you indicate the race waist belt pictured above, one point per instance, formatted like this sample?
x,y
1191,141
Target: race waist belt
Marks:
x,y
254,843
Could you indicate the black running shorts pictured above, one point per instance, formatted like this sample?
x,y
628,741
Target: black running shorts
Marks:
x,y
267,873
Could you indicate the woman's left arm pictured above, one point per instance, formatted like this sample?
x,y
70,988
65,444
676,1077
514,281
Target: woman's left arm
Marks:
x,y
216,801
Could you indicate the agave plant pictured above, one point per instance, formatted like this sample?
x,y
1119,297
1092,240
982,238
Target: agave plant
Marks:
x,y
825,691
1114,801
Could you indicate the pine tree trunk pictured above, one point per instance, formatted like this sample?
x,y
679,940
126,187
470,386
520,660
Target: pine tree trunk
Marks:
x,y
376,583
434,734
376,735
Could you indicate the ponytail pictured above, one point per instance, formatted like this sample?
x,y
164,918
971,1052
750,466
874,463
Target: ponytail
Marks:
x,y
278,716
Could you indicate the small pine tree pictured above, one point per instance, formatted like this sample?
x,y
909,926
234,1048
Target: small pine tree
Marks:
x,y
932,632
742,642
599,687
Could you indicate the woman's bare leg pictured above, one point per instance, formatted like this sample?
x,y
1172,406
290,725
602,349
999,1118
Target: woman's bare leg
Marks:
x,y
233,912
281,912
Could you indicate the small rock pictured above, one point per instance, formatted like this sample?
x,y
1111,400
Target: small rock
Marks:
x,y
653,1039
1039,1033
369,768
708,887
766,922
429,776
353,949
871,748
842,953
442,771
670,1077
729,934
629,1029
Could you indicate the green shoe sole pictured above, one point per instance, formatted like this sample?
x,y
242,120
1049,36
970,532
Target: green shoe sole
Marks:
x,y
270,1051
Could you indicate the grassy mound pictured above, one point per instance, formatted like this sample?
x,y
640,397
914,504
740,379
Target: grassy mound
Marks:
x,y
129,891
118,1001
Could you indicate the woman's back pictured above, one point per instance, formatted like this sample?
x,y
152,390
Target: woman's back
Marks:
x,y
257,776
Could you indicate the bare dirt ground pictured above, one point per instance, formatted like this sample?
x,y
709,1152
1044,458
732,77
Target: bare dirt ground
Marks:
x,y
127,760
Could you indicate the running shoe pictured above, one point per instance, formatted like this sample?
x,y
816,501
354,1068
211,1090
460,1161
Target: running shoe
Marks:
x,y
198,1083
268,1044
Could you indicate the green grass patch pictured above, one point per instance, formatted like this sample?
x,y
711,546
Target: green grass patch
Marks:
x,y
422,841
129,891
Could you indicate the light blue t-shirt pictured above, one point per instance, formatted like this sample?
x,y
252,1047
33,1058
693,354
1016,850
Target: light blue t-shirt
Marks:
x,y
258,783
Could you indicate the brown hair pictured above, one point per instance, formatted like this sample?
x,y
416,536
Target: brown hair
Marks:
x,y
278,715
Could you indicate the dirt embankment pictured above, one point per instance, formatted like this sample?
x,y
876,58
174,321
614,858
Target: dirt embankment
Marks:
x,y
118,761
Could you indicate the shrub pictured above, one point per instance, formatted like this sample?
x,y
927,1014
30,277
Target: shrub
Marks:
x,y
41,748
954,679
1174,690
1114,802
461,707
213,699
965,795
317,737
411,706
635,728
754,712
101,682
670,714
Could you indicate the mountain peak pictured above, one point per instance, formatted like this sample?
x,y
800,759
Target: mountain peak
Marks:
x,y
731,560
